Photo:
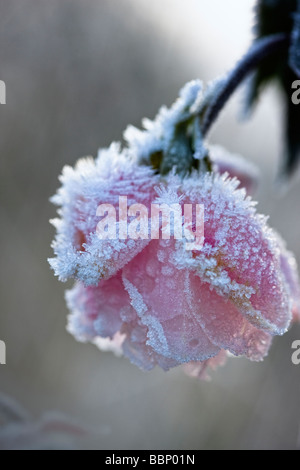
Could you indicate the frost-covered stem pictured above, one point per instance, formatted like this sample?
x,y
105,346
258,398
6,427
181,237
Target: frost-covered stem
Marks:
x,y
258,52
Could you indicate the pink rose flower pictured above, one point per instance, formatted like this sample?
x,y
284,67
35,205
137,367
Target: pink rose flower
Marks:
x,y
154,300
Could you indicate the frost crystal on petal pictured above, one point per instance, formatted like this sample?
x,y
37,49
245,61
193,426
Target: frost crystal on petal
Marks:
x,y
201,370
225,162
240,259
80,253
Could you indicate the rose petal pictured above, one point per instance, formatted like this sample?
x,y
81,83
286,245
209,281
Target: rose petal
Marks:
x,y
161,297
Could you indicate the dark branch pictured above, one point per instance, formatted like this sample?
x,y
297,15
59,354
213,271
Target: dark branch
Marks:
x,y
261,49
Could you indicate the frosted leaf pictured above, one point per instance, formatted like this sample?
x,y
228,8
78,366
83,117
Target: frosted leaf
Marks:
x,y
212,90
159,133
201,150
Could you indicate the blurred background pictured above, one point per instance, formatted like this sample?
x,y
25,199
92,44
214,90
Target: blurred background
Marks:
x,y
77,72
